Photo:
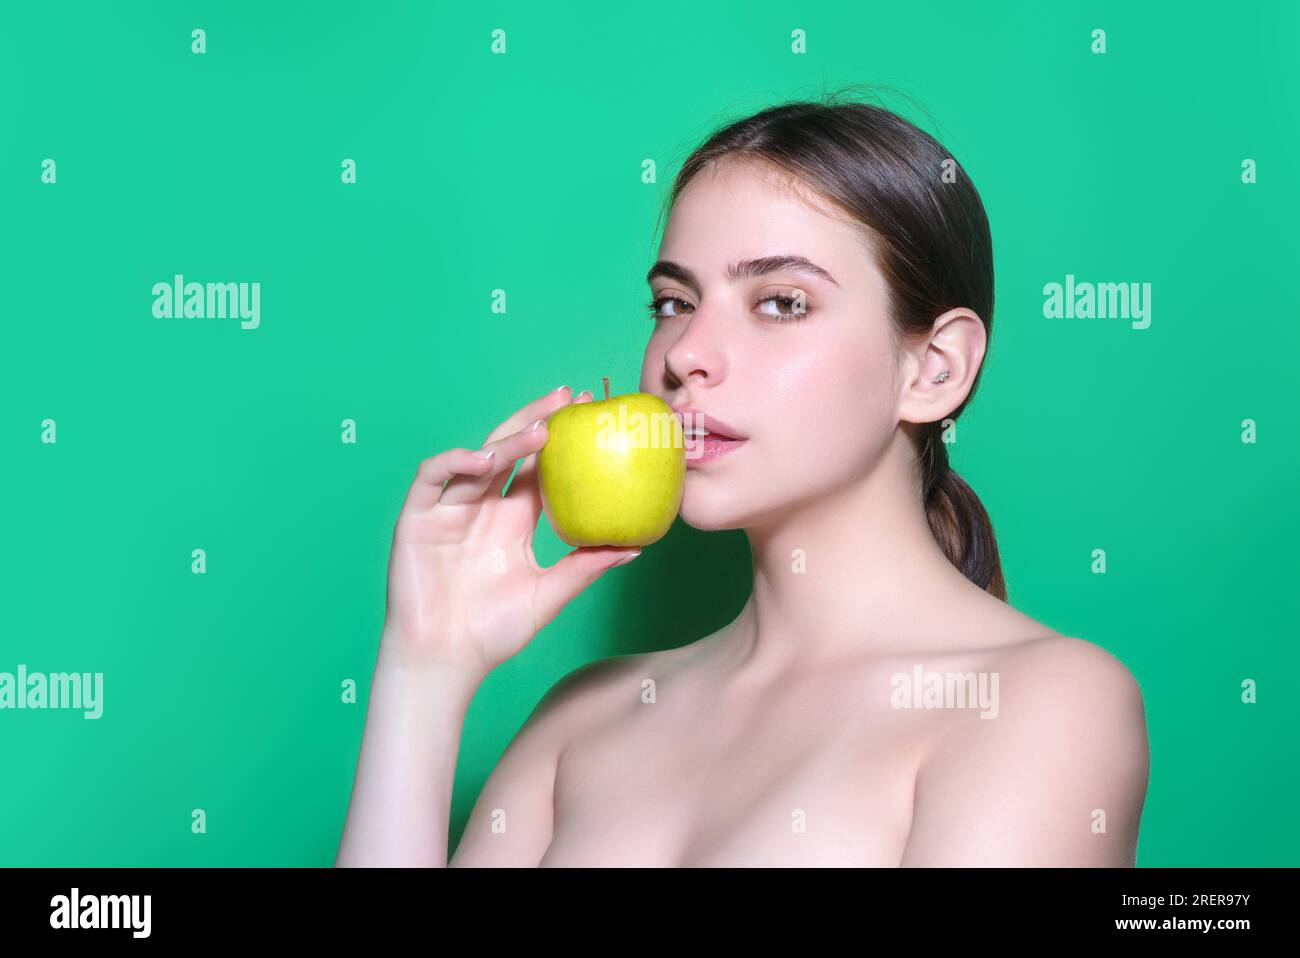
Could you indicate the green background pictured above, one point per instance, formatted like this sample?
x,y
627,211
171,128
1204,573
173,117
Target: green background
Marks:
x,y
522,172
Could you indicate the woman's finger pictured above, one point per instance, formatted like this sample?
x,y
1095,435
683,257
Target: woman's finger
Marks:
x,y
539,408
426,489
470,487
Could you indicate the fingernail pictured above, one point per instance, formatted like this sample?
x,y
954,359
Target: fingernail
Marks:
x,y
533,427
585,392
559,389
486,455
627,558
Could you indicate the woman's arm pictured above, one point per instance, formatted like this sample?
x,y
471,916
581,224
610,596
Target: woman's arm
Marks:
x,y
465,593
1058,778
401,797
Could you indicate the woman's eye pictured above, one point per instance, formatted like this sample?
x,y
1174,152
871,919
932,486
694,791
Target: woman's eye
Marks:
x,y
656,307
785,309
788,308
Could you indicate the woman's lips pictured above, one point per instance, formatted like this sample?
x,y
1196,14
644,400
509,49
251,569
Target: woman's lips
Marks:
x,y
707,437
698,421
707,448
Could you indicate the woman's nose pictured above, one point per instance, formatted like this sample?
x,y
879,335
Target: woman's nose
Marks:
x,y
696,353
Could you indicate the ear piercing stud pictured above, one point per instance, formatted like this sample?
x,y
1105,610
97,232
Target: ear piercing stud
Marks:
x,y
941,377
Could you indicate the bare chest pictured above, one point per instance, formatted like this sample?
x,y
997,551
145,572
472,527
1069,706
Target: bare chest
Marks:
x,y
799,781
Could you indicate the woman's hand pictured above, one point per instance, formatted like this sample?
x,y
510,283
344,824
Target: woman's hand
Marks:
x,y
464,589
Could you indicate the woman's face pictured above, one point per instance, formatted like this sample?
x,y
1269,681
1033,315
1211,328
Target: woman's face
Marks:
x,y
814,393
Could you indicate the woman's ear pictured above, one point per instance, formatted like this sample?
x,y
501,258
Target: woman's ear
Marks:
x,y
955,344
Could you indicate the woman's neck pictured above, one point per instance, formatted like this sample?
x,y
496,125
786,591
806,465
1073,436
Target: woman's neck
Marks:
x,y
853,571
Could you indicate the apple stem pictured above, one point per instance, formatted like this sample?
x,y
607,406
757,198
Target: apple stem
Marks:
x,y
605,380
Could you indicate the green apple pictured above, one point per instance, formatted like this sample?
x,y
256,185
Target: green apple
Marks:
x,y
612,470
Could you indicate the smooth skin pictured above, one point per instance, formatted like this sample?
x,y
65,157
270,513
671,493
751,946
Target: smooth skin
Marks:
x,y
775,740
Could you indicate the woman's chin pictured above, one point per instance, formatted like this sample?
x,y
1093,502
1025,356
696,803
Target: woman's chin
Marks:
x,y
708,519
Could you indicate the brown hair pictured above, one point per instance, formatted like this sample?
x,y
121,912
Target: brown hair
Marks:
x,y
932,245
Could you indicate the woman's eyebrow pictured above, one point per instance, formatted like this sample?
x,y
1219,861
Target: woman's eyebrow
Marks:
x,y
745,268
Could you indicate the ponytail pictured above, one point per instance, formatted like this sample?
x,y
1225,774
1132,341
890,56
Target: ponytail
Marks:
x,y
958,520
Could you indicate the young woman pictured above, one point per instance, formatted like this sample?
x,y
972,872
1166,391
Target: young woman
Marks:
x,y
824,296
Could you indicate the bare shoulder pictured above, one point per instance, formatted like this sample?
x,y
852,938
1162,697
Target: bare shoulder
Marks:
x,y
574,702
513,818
1072,694
1071,672
577,698
1057,777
